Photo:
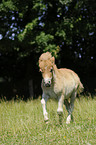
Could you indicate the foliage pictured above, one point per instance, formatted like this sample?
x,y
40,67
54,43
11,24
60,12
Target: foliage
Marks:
x,y
22,123
63,21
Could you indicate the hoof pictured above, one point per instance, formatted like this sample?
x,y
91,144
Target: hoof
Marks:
x,y
46,121
60,112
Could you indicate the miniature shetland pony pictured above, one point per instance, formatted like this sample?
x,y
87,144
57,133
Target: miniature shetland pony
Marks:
x,y
61,84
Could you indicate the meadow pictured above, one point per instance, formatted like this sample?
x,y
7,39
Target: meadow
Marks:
x,y
22,123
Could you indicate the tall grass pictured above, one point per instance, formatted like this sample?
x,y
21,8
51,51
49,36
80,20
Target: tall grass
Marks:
x,y
21,123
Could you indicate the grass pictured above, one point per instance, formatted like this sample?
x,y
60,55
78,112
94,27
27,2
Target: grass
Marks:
x,y
21,123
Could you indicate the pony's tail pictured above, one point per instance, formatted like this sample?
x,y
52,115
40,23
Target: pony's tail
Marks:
x,y
80,88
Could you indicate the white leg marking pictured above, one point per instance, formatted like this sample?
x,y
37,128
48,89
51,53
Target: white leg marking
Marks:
x,y
43,102
68,119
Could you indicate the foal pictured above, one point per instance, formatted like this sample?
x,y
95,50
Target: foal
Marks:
x,y
61,84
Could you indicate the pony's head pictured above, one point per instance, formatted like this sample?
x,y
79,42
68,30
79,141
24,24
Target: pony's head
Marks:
x,y
46,62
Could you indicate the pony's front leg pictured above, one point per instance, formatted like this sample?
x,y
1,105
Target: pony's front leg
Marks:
x,y
60,105
43,102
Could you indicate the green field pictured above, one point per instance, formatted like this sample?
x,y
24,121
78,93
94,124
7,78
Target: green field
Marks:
x,y
21,123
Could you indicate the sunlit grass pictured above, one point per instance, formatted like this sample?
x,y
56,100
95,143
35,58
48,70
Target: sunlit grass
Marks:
x,y
22,123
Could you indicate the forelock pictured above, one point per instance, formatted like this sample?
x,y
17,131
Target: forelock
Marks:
x,y
45,63
45,56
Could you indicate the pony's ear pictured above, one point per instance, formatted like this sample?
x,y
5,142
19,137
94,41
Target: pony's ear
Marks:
x,y
53,60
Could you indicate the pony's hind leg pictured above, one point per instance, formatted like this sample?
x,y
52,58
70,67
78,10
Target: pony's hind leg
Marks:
x,y
70,107
67,105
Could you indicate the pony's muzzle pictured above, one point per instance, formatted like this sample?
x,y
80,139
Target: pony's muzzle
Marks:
x,y
47,82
